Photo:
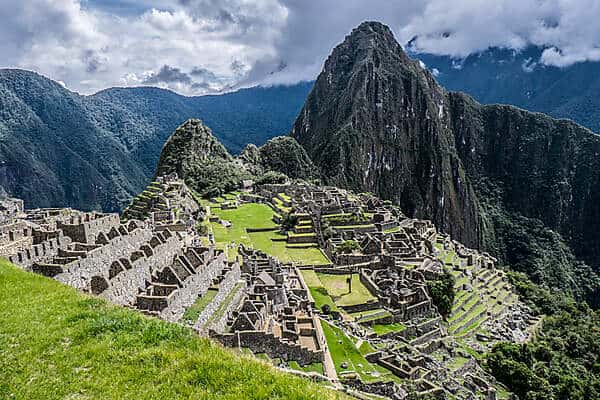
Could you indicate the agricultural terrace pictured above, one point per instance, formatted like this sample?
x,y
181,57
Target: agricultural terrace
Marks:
x,y
255,216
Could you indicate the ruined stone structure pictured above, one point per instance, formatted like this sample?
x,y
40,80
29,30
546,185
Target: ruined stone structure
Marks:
x,y
274,316
152,259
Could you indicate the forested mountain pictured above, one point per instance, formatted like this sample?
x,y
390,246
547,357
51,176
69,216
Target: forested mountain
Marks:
x,y
58,148
519,184
519,78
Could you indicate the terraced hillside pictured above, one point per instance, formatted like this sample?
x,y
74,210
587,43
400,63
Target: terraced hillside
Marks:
x,y
56,343
258,225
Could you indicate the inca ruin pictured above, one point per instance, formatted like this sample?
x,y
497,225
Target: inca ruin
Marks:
x,y
328,284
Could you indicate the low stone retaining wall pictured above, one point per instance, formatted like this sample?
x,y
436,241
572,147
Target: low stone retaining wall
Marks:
x,y
229,281
262,342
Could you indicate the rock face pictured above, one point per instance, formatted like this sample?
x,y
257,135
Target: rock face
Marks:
x,y
378,121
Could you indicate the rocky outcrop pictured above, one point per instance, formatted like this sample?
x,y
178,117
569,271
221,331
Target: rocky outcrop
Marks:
x,y
378,121
205,164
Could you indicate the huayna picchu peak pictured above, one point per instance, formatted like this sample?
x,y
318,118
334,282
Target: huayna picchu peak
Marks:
x,y
520,185
401,242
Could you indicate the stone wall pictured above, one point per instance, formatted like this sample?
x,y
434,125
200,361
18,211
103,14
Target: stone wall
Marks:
x,y
225,287
39,252
86,227
98,261
197,283
262,342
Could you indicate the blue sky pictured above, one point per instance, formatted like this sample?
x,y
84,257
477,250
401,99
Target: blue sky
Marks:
x,y
206,46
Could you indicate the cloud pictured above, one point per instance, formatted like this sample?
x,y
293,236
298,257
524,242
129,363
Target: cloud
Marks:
x,y
168,75
202,46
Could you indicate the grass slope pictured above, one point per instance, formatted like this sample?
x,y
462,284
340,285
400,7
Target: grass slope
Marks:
x,y
56,343
259,216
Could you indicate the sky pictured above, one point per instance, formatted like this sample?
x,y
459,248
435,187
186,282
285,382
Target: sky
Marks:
x,y
205,46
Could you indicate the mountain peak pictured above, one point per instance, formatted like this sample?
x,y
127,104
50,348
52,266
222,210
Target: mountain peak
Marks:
x,y
191,144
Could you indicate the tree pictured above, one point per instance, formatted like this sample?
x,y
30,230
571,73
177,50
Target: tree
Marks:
x,y
347,247
442,293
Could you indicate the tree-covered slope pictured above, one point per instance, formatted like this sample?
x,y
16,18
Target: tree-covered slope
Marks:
x,y
519,184
197,156
51,151
58,148
56,343
519,78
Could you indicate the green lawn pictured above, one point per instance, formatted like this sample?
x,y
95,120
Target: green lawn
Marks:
x,y
56,343
192,313
366,348
338,288
315,367
381,329
321,298
342,349
254,215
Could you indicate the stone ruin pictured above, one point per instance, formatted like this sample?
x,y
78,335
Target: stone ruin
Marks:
x,y
151,259
274,315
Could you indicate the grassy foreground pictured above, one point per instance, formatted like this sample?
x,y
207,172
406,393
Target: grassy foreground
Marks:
x,y
56,343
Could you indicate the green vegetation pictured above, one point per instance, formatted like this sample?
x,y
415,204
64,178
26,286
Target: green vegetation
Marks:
x,y
343,350
442,292
347,247
59,344
193,312
284,154
381,329
366,348
260,216
337,287
314,367
562,361
322,299
529,246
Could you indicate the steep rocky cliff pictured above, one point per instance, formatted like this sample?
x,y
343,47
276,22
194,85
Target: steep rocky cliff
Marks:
x,y
496,177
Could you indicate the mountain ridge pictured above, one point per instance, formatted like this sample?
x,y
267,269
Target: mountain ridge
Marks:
x,y
94,152
378,121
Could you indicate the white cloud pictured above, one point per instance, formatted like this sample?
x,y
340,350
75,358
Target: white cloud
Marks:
x,y
93,45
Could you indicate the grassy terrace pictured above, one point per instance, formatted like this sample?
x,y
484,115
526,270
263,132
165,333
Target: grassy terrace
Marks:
x,y
337,287
333,290
254,215
56,343
343,349
381,329
192,313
